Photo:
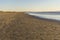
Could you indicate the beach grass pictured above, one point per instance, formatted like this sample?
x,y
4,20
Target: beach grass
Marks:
x,y
20,26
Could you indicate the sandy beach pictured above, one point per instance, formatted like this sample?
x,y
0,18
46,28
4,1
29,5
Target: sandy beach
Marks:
x,y
20,26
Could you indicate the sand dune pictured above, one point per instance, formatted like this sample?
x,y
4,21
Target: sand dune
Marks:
x,y
19,26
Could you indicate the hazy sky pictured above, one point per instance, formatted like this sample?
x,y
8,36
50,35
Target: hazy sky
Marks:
x,y
30,5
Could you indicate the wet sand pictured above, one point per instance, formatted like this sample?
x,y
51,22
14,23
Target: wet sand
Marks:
x,y
19,26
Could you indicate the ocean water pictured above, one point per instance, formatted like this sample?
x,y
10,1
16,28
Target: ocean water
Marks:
x,y
46,15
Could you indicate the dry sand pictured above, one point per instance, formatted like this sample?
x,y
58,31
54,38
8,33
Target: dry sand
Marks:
x,y
19,26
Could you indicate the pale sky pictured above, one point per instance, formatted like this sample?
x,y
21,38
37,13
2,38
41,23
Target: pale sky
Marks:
x,y
30,5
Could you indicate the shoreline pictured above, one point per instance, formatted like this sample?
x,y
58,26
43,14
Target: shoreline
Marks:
x,y
45,19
